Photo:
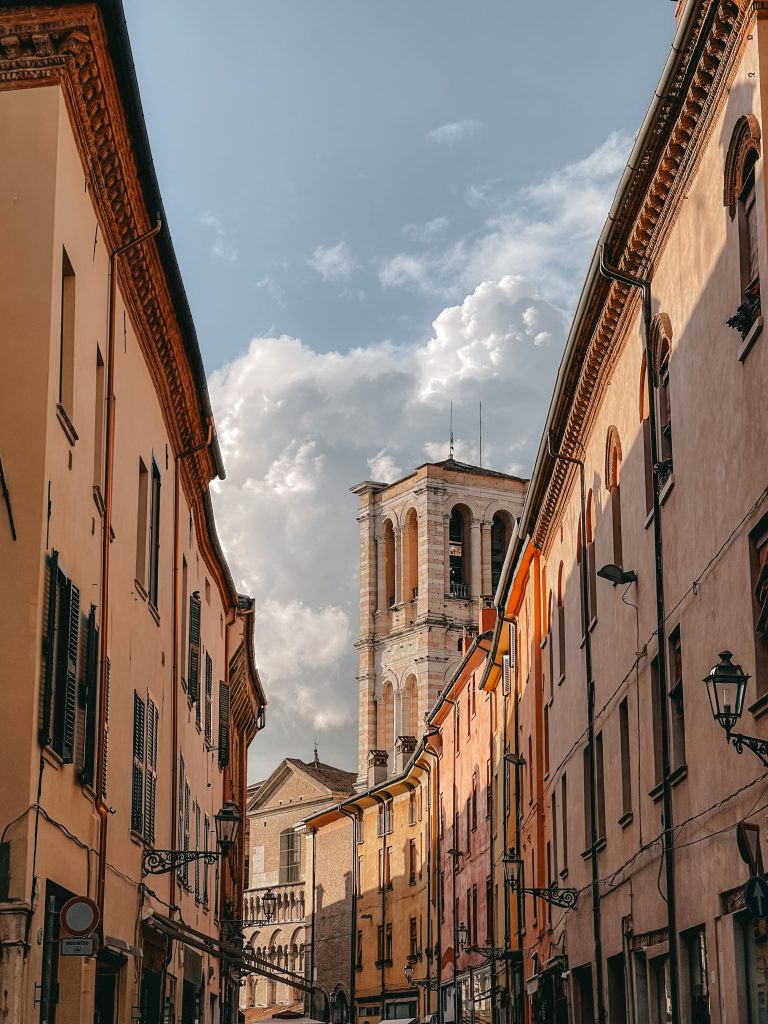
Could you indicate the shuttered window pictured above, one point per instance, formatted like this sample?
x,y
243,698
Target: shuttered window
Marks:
x,y
186,831
180,829
60,676
105,741
137,787
223,724
197,847
206,865
193,680
88,701
208,695
150,771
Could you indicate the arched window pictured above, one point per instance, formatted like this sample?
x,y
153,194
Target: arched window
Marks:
x,y
501,534
385,721
389,562
410,708
411,588
561,621
646,427
458,539
612,462
740,195
591,564
661,347
550,647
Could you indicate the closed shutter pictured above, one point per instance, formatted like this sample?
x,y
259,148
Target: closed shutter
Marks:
x,y
150,783
105,741
223,724
65,695
137,789
49,651
208,695
180,830
186,831
506,683
197,847
88,701
193,682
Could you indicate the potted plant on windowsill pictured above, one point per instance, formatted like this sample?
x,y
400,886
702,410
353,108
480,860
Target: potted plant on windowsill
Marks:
x,y
748,312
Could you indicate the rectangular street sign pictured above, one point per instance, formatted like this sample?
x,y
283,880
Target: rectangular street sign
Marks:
x,y
81,946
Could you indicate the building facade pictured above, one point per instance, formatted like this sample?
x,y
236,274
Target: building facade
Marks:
x,y
431,549
280,864
127,665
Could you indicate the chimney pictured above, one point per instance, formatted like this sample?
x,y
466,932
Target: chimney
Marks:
x,y
377,767
404,747
487,619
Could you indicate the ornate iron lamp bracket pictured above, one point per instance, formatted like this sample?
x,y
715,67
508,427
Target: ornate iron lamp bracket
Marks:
x,y
160,862
553,894
757,746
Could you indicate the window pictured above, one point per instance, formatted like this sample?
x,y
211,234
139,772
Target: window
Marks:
x,y
475,934
646,429
665,404
223,724
388,949
60,676
554,834
88,701
413,944
549,880
546,740
564,813
758,556
385,720
359,875
389,564
488,788
488,911
529,770
474,802
385,867
739,195
457,728
290,853
137,787
534,901
99,411
656,711
410,708
561,621
458,552
591,563
411,861
600,785
184,599
67,337
411,567
359,956
412,807
154,535
141,525
208,696
197,847
587,801
613,460
206,866
676,698
470,933
698,975
626,772
469,824
501,533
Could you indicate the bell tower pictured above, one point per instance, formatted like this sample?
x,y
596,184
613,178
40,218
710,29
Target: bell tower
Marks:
x,y
432,546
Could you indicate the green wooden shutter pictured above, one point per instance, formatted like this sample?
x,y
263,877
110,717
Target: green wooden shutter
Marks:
x,y
105,739
150,784
49,651
65,688
208,695
88,700
137,788
223,725
193,682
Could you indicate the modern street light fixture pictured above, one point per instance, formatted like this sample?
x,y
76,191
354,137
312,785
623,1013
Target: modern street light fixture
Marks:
x,y
727,688
160,862
552,894
616,575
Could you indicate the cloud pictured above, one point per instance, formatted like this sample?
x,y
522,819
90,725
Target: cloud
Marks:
x,y
428,231
299,426
455,131
222,248
333,262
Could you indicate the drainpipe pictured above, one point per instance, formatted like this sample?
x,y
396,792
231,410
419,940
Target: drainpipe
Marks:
x,y
454,859
313,833
438,945
593,837
644,285
427,994
353,945
505,809
109,451
519,970
381,801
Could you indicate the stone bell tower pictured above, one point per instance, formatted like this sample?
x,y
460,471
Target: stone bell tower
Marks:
x,y
432,546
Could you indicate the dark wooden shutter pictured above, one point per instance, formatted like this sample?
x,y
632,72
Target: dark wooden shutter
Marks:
x,y
49,651
180,829
208,695
88,700
65,690
186,831
137,789
105,740
150,794
193,682
223,724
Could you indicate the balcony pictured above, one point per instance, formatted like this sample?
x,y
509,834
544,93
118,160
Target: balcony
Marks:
x,y
460,591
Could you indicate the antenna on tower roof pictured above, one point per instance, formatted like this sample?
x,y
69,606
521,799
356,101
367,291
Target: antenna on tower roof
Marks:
x,y
317,759
481,435
450,447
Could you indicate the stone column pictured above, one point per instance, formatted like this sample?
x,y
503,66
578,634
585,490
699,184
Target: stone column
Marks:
x,y
399,546
475,560
486,543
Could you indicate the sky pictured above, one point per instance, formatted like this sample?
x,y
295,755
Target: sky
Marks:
x,y
378,209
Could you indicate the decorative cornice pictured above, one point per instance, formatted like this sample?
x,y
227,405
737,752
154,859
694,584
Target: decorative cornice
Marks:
x,y
683,123
44,45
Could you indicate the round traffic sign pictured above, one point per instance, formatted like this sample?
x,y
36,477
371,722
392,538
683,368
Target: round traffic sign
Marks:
x,y
79,916
756,896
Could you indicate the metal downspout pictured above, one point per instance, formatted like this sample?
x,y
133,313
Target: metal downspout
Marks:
x,y
109,452
614,274
519,970
313,832
593,837
438,946
353,944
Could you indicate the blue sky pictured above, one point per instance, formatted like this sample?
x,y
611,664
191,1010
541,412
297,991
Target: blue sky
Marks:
x,y
377,209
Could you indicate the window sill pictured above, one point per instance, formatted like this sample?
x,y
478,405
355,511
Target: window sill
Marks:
x,y
98,500
675,778
626,819
154,612
666,490
760,706
648,520
136,837
564,873
592,624
382,963
52,758
67,425
139,586
750,339
599,845
561,680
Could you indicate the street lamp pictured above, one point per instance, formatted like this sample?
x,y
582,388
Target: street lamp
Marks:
x,y
160,862
462,936
553,894
616,575
430,984
727,688
269,904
